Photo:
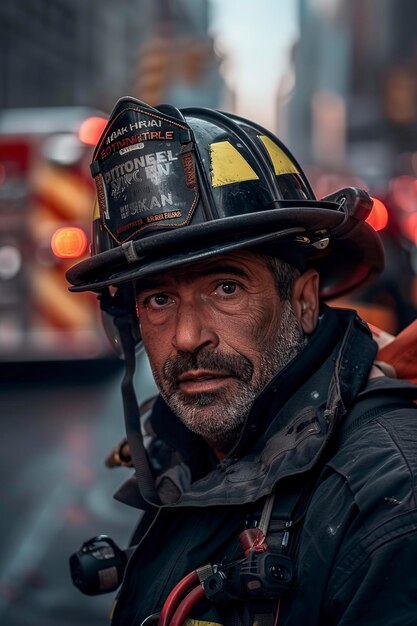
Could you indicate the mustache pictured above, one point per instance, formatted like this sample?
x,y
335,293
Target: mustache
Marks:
x,y
234,365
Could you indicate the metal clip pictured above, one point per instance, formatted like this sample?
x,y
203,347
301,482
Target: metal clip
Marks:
x,y
322,243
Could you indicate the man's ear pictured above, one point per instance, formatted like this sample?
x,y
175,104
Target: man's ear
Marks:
x,y
305,300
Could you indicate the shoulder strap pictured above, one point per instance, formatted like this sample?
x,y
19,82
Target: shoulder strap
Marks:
x,y
367,409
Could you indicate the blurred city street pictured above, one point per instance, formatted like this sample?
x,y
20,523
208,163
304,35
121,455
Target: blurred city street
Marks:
x,y
59,421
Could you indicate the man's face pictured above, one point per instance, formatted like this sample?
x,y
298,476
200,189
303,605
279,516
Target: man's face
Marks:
x,y
216,332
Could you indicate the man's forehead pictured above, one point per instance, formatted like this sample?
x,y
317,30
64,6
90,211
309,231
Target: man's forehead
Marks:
x,y
242,263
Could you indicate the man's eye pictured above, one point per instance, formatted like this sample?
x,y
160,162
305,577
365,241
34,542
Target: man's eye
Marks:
x,y
157,301
227,288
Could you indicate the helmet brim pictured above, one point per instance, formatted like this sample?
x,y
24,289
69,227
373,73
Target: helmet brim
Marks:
x,y
353,256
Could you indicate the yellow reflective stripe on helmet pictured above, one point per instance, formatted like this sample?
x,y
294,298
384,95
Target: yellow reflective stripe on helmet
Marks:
x,y
228,165
281,162
199,622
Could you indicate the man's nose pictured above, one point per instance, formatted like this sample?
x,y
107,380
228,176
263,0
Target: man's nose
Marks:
x,y
193,329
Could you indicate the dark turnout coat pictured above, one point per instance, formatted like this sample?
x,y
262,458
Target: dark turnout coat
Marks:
x,y
341,454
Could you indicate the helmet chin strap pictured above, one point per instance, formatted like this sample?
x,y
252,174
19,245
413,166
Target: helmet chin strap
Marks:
x,y
143,473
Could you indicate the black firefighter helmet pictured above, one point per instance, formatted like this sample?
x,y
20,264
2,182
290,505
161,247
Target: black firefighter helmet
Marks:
x,y
174,187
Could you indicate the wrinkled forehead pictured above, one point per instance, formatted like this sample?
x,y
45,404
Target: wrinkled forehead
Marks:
x,y
243,263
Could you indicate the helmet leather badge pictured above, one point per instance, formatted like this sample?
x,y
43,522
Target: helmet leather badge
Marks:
x,y
144,172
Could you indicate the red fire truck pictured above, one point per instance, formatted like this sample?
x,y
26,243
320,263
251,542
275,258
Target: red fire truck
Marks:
x,y
46,204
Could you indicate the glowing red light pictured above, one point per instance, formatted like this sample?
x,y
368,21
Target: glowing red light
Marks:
x,y
69,242
378,217
91,129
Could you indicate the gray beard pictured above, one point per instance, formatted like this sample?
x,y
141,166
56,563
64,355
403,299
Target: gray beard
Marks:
x,y
219,416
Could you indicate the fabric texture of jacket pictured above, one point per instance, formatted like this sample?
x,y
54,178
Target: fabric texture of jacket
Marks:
x,y
354,539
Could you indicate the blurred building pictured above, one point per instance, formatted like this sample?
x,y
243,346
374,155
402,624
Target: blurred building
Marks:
x,y
176,61
351,118
66,52
73,52
354,102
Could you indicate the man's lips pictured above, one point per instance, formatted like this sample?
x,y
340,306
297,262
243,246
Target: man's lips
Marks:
x,y
202,380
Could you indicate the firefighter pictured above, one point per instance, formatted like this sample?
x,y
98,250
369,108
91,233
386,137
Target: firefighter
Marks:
x,y
277,483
